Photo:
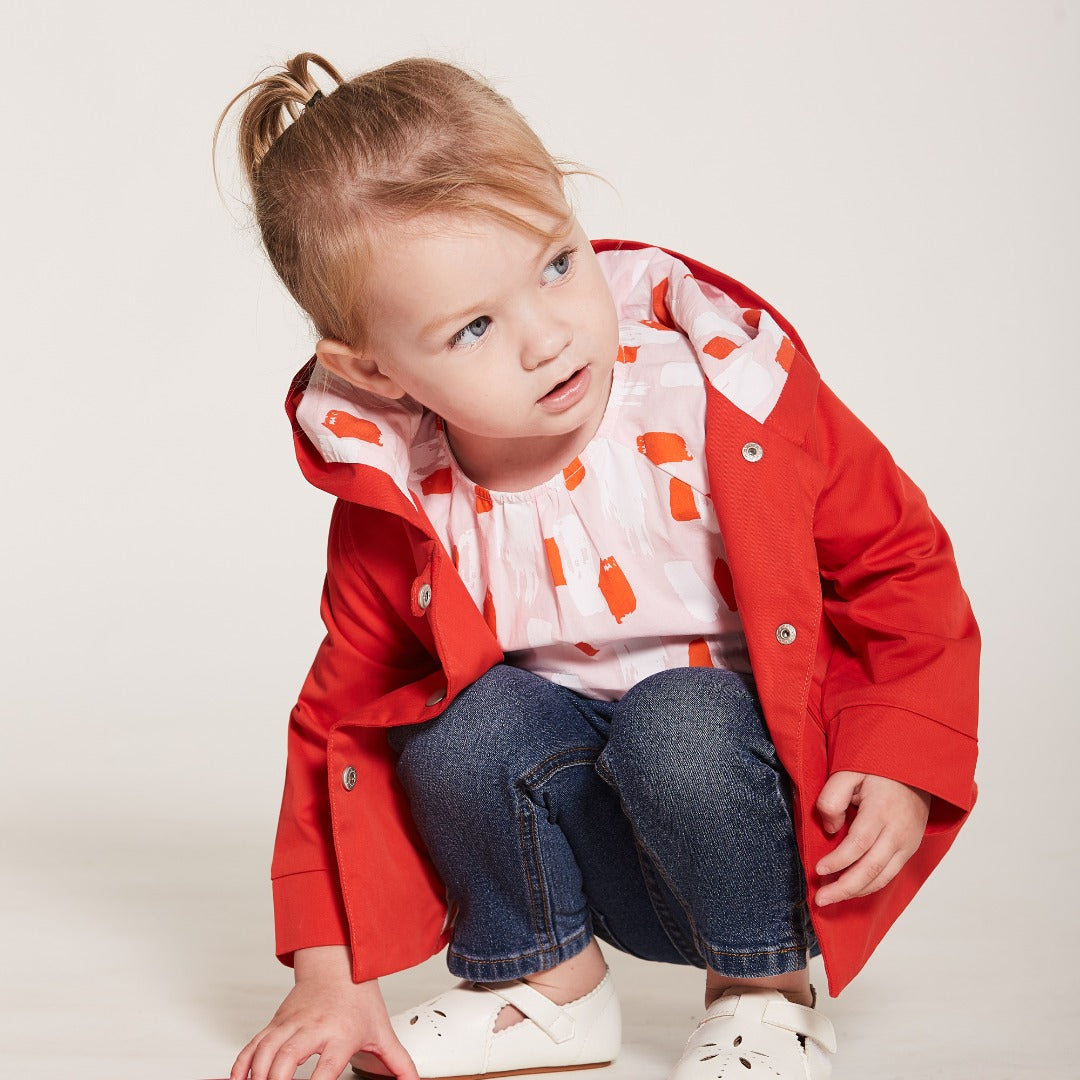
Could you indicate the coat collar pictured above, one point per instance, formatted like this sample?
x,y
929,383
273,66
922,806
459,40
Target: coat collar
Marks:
x,y
791,414
779,396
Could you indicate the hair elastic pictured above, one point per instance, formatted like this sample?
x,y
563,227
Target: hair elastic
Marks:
x,y
317,96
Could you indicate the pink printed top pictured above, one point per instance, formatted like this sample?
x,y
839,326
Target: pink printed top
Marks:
x,y
613,569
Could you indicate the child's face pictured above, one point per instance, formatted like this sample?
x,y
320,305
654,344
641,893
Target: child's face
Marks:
x,y
510,338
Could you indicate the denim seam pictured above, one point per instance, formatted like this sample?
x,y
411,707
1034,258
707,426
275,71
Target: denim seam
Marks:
x,y
688,950
543,924
654,866
650,869
704,949
749,964
520,956
543,772
533,869
750,954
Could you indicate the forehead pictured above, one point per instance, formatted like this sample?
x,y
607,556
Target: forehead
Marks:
x,y
439,263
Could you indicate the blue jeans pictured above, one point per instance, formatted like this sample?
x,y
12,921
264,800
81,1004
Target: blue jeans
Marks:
x,y
661,823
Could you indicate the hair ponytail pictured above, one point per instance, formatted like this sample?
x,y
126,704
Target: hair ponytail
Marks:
x,y
277,100
417,136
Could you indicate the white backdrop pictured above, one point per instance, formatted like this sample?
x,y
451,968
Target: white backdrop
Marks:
x,y
901,180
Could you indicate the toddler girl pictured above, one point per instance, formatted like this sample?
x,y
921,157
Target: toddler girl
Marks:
x,y
634,632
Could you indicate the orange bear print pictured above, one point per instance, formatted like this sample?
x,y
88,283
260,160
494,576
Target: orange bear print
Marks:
x,y
752,317
440,482
554,558
483,499
659,305
699,655
346,426
681,499
661,447
616,590
573,474
489,611
785,354
720,347
586,648
627,354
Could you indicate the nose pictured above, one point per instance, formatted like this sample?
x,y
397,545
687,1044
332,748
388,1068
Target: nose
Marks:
x,y
546,339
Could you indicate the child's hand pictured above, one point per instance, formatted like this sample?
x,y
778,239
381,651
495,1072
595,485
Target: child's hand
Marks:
x,y
887,830
325,1013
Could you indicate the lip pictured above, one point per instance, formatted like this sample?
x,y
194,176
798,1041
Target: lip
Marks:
x,y
567,393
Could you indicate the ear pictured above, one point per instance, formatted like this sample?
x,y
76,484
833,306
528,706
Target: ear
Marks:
x,y
357,367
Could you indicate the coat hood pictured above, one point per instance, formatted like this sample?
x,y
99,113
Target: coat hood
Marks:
x,y
370,450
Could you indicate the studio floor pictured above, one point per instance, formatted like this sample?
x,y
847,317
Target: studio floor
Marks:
x,y
139,948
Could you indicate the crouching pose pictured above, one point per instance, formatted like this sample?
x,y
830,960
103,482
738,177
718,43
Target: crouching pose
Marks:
x,y
634,632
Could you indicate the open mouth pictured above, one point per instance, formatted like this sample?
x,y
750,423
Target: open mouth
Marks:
x,y
564,394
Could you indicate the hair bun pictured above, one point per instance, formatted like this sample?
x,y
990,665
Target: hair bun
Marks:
x,y
277,99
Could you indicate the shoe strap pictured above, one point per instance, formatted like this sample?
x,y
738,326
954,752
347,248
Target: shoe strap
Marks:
x,y
553,1020
802,1021
772,1008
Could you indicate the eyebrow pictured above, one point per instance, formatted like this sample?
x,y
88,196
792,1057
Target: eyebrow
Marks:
x,y
451,322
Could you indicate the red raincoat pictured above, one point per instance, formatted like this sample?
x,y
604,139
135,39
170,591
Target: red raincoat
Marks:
x,y
823,533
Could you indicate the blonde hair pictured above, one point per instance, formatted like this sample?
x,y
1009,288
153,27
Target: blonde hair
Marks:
x,y
414,137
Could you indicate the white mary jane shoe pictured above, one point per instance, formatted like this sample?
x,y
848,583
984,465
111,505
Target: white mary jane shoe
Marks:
x,y
750,1034
452,1036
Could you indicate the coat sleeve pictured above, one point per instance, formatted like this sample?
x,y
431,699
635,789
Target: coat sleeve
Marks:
x,y
367,653
900,696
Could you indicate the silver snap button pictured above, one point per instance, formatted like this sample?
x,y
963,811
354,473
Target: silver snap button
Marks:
x,y
752,451
423,597
348,778
785,633
439,695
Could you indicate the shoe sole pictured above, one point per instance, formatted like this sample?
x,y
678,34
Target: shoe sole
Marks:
x,y
533,1070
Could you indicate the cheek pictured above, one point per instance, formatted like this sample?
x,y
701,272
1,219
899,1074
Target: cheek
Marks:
x,y
601,315
608,319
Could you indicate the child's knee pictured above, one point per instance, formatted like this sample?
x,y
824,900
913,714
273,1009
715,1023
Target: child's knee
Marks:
x,y
492,735
683,729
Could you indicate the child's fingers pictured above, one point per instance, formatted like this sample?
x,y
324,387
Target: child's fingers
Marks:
x,y
245,1065
389,1053
862,880
861,837
395,1057
242,1065
892,868
264,1053
835,798
873,871
885,832
290,1055
333,1060
858,876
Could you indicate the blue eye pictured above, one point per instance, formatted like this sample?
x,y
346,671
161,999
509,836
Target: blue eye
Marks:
x,y
467,335
558,267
